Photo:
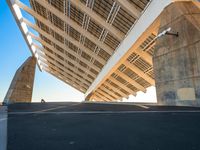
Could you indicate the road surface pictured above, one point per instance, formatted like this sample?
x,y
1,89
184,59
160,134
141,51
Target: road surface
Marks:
x,y
91,126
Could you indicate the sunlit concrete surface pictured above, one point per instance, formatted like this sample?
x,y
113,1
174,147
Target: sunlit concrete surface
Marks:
x,y
21,87
3,127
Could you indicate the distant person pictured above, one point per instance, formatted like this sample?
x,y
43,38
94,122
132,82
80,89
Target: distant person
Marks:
x,y
4,103
42,101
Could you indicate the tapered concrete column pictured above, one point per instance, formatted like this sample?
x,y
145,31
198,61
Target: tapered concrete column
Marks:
x,y
177,59
21,86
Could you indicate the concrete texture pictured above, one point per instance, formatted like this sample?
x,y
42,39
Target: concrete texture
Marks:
x,y
21,87
176,59
90,126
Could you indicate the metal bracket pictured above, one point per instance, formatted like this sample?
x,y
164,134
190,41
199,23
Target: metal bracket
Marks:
x,y
171,33
167,32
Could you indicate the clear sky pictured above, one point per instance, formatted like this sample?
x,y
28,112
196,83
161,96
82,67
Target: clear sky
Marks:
x,y
14,51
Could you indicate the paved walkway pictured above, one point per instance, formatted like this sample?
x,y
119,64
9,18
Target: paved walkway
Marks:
x,y
87,126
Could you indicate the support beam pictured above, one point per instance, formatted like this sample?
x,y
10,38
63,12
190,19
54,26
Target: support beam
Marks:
x,y
115,89
65,36
21,87
107,94
111,93
196,3
104,95
124,87
97,98
131,81
116,33
66,79
148,23
64,18
23,28
144,55
65,68
69,81
69,76
76,64
55,57
63,61
129,7
139,72
89,97
44,43
53,74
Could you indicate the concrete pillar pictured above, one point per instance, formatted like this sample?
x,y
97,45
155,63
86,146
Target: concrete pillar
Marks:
x,y
21,86
177,59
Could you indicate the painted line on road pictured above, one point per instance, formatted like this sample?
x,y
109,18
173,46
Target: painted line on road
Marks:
x,y
44,110
142,106
3,119
54,108
102,112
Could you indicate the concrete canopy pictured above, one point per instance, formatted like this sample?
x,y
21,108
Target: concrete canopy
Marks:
x,y
82,43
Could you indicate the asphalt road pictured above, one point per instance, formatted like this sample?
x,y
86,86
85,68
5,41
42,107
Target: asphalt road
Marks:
x,y
86,126
3,127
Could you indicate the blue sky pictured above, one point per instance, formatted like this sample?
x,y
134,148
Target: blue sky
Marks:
x,y
14,51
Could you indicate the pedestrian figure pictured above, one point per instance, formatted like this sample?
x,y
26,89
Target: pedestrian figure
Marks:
x,y
42,101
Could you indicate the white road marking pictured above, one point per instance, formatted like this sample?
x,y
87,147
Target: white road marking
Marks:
x,y
104,112
54,108
3,119
142,106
